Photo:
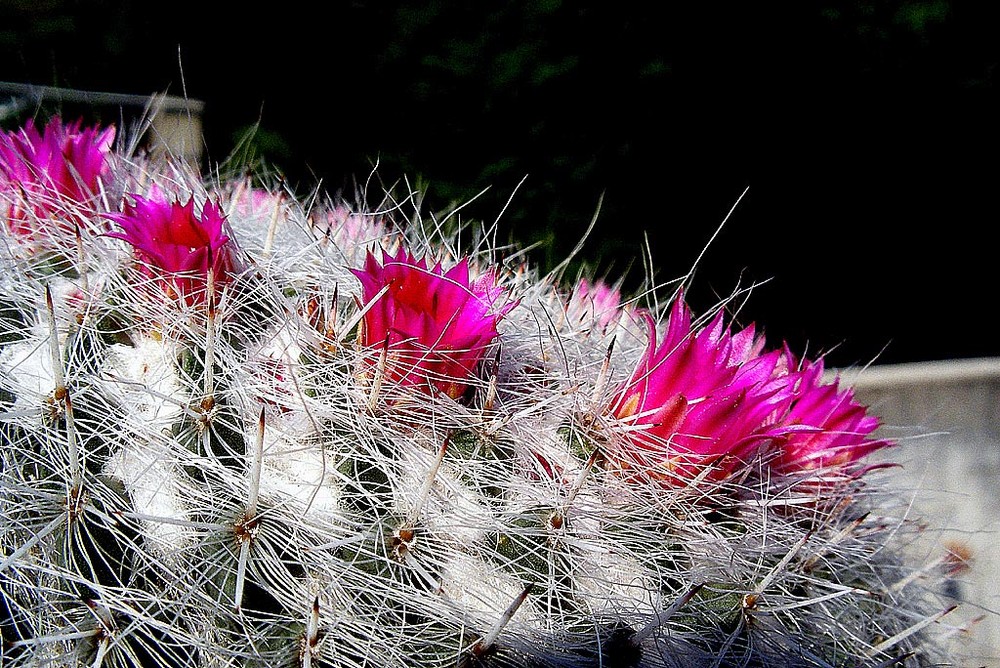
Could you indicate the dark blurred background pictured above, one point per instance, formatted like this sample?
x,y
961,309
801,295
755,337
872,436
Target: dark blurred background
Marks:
x,y
865,133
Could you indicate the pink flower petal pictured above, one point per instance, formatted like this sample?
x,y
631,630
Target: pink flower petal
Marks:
x,y
438,325
175,243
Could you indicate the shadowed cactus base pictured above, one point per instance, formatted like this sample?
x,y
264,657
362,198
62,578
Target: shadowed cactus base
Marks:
x,y
282,458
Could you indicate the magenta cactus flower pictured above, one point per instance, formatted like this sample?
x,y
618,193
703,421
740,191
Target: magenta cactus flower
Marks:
x,y
712,399
596,302
824,426
436,325
253,202
347,228
49,180
176,245
700,402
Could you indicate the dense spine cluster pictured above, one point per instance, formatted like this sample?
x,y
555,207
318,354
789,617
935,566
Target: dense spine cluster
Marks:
x,y
240,429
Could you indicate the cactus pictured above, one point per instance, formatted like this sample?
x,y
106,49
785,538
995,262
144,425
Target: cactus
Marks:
x,y
241,428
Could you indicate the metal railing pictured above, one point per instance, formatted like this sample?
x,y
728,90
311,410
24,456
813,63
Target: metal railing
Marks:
x,y
174,123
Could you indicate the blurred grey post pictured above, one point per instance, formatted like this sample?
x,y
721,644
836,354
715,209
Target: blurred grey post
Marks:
x,y
170,124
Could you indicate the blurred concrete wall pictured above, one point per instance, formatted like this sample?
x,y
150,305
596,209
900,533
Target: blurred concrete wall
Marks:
x,y
946,417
